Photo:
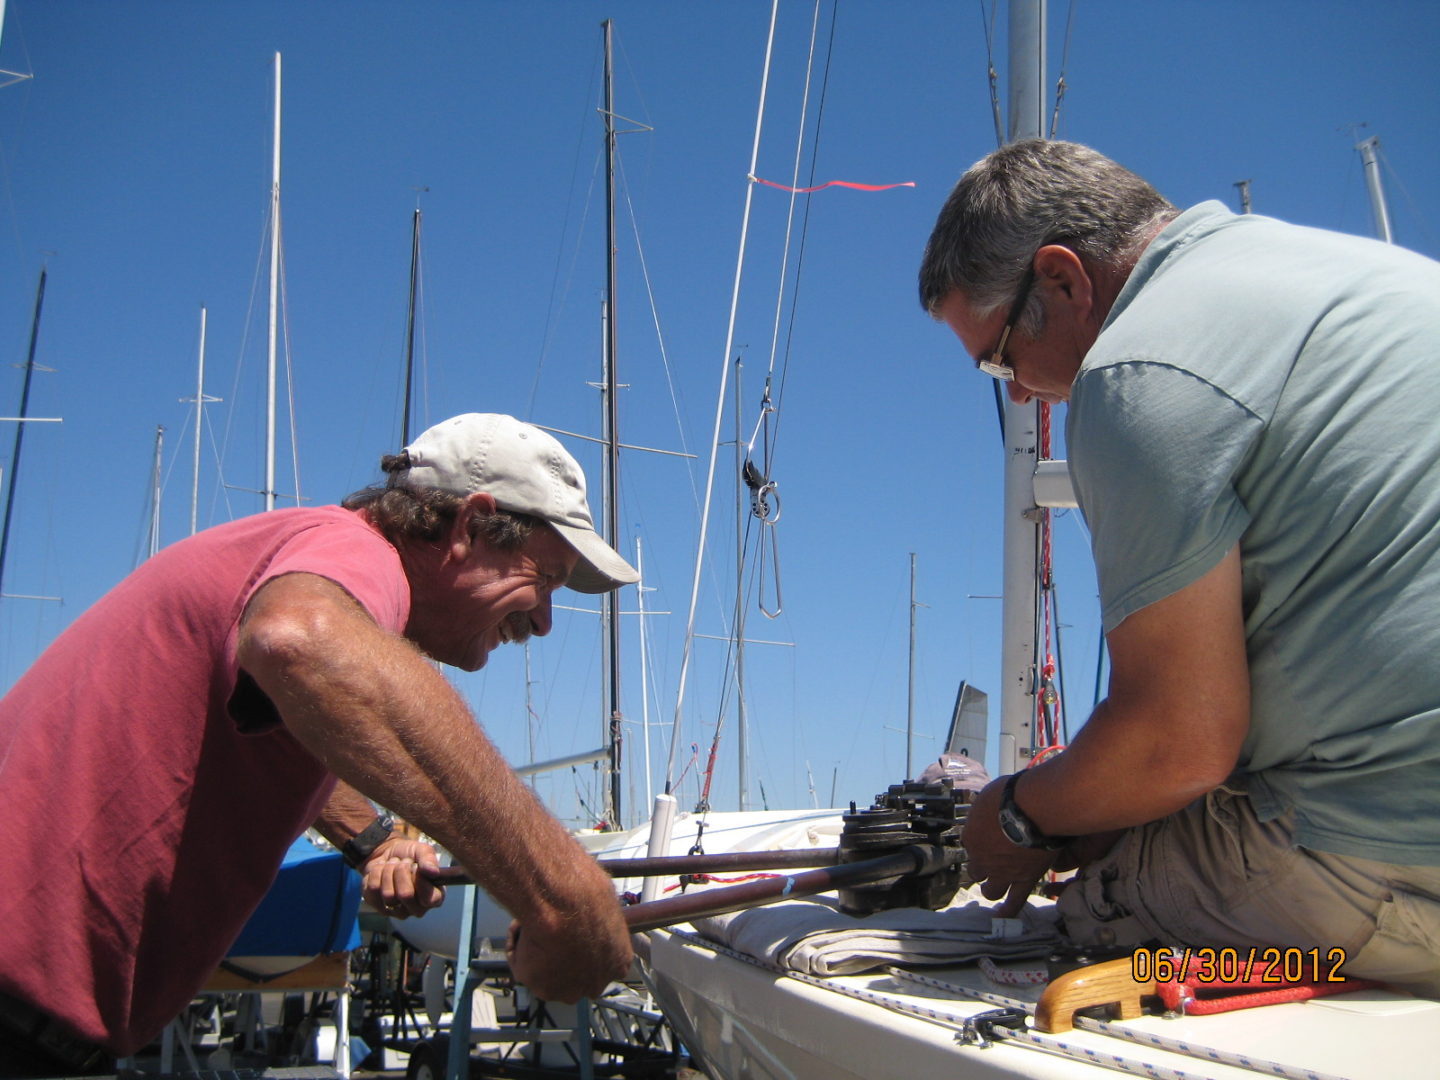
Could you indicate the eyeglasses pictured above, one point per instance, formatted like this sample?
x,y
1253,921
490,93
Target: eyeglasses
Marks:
x,y
995,365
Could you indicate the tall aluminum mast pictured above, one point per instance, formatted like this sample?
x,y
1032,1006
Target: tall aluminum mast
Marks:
x,y
614,734
20,422
410,330
1025,119
1368,148
274,300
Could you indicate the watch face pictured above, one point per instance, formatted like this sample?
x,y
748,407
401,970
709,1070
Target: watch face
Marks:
x,y
1014,829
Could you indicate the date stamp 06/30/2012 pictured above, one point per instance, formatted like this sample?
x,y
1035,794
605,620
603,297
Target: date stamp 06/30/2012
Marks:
x,y
1272,965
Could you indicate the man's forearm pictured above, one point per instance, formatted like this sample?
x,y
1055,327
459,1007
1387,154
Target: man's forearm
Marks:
x,y
1118,772
385,721
1173,725
345,815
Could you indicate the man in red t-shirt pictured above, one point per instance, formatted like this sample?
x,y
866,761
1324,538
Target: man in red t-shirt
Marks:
x,y
161,756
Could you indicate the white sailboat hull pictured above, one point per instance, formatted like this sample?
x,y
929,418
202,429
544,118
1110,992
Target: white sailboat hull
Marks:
x,y
746,1021
743,1021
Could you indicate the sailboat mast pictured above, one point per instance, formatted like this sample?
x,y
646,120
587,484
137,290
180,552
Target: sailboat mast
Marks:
x,y
274,299
742,719
410,328
1022,441
155,476
20,424
644,674
910,682
199,422
614,729
1368,148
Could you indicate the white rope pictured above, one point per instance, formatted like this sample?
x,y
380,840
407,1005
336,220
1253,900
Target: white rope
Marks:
x,y
720,408
1048,1043
1008,977
1144,1038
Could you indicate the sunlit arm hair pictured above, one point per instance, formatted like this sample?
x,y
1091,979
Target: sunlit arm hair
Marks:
x,y
403,513
1025,195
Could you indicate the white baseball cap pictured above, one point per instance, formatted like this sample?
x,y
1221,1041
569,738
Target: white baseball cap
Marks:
x,y
525,470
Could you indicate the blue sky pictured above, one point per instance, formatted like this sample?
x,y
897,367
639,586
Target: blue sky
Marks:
x,y
136,164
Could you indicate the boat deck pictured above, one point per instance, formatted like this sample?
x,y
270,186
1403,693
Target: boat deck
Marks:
x,y
753,1021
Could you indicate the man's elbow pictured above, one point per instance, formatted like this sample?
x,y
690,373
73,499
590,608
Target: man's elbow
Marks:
x,y
279,637
1199,758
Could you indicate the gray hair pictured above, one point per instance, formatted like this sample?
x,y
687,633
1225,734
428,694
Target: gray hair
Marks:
x,y
1025,195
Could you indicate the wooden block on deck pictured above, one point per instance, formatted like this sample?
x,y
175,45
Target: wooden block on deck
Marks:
x,y
1109,983
330,971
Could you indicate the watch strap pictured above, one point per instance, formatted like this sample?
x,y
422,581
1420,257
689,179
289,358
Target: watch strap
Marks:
x,y
1031,836
362,845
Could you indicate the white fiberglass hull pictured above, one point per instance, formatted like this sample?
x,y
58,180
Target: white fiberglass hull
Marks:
x,y
741,1020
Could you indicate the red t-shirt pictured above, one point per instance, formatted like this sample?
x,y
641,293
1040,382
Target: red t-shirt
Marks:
x,y
148,790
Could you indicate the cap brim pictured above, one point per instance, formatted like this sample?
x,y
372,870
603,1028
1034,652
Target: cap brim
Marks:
x,y
600,569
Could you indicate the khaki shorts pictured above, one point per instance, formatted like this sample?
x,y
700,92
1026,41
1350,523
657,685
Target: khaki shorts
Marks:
x,y
1213,875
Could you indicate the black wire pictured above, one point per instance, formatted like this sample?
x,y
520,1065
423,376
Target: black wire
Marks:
x,y
804,232
990,68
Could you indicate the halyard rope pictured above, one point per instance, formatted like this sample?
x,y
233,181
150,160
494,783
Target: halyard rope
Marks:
x,y
1026,1037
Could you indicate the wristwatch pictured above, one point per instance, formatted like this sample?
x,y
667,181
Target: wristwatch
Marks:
x,y
1018,828
363,844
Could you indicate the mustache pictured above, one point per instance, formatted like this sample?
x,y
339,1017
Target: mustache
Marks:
x,y
516,628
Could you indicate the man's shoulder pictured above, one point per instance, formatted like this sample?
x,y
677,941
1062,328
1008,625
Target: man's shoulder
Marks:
x,y
277,527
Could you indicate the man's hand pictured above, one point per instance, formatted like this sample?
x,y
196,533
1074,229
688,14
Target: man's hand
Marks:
x,y
383,720
396,878
1005,869
579,961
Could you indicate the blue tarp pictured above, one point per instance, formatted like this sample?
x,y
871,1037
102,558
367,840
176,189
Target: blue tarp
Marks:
x,y
312,908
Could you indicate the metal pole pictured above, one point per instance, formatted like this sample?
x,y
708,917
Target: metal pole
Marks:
x,y
274,300
1244,187
1022,439
20,424
1368,148
644,673
725,862
910,682
741,734
410,327
768,890
199,423
155,474
612,436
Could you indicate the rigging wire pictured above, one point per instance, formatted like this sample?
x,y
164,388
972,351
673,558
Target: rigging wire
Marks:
x,y
790,211
581,139
762,488
689,645
994,76
289,375
240,363
1061,85
805,221
659,332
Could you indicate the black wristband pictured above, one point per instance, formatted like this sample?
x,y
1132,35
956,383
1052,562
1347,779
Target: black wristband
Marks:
x,y
1017,826
363,844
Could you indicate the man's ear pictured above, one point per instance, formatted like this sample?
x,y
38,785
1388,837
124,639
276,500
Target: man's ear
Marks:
x,y
1063,273
462,530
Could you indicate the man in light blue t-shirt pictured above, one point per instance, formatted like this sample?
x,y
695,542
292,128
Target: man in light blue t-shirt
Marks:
x,y
1254,442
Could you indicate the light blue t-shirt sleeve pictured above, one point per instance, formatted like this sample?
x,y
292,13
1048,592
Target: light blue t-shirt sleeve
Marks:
x,y
1153,454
